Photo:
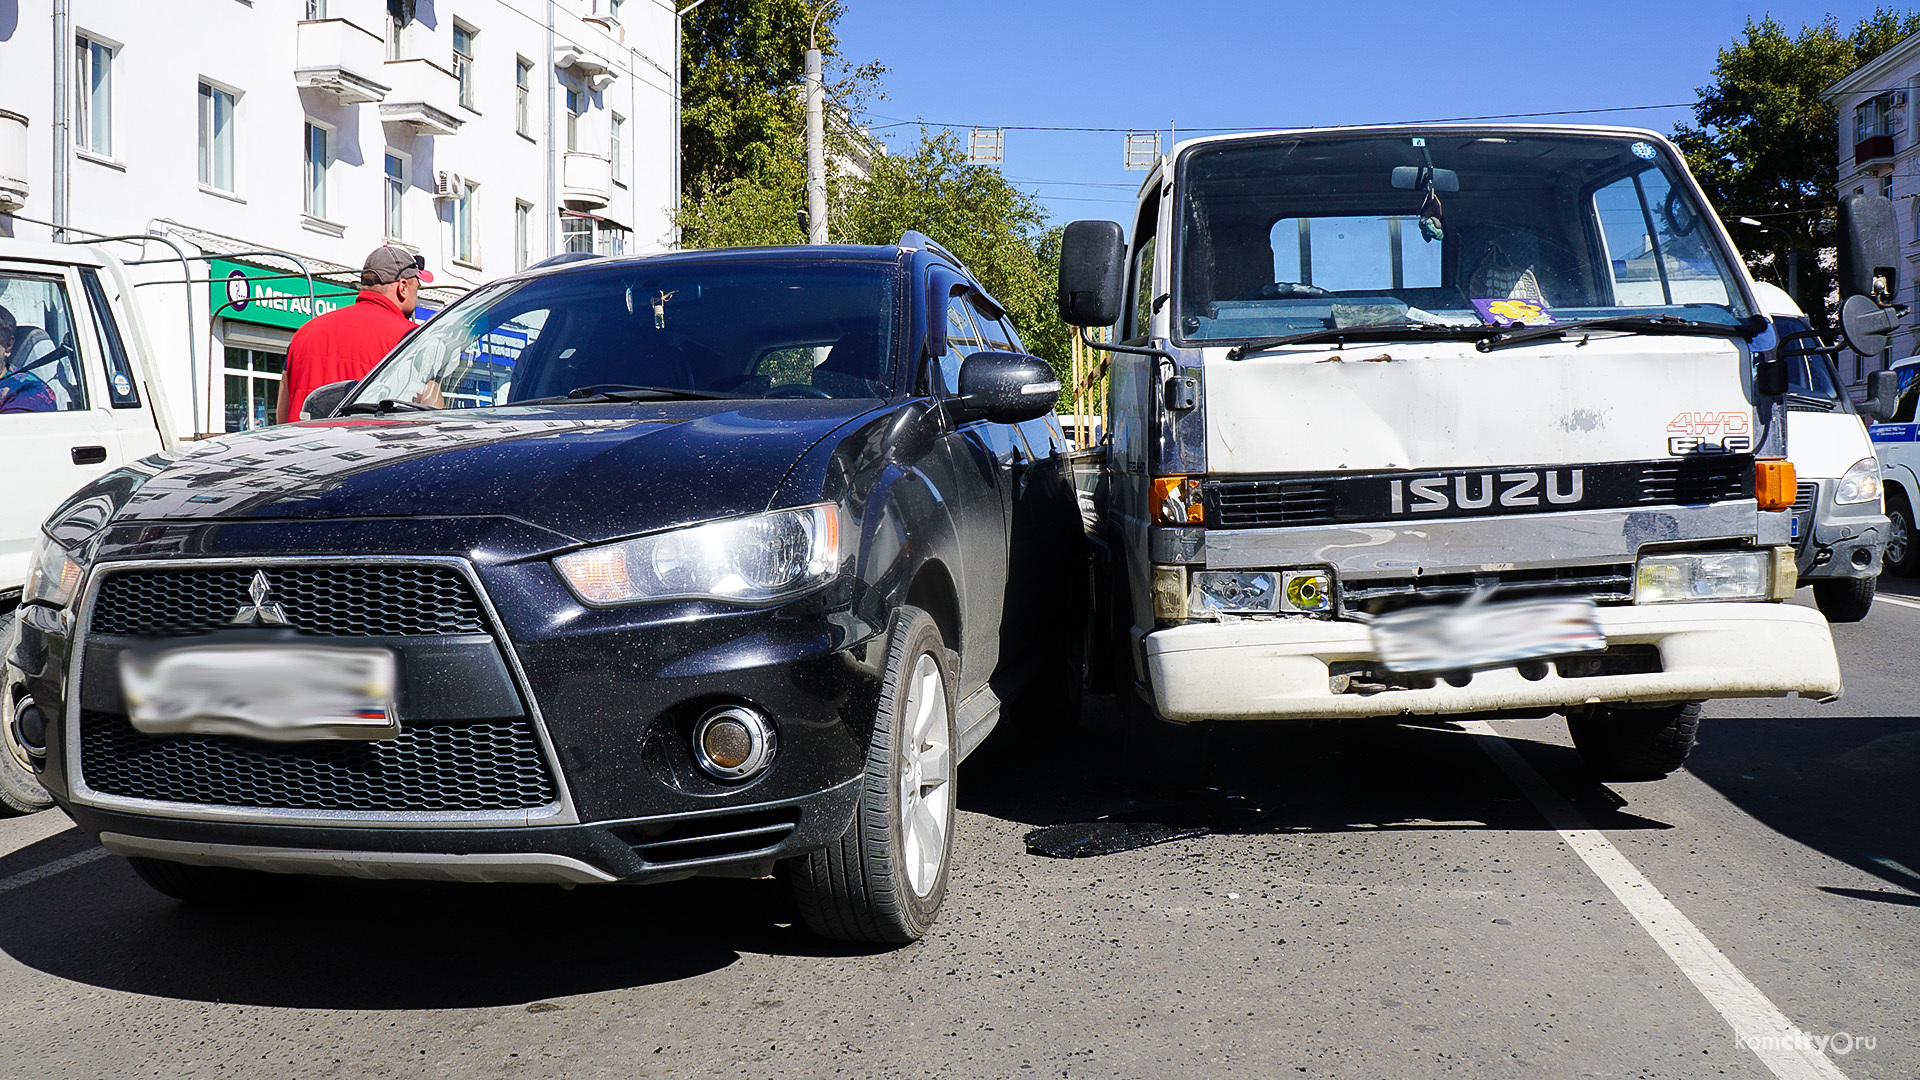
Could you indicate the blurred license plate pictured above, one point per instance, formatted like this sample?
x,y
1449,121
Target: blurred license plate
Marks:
x,y
281,693
1485,634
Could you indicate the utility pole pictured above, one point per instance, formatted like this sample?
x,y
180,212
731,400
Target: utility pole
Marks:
x,y
816,139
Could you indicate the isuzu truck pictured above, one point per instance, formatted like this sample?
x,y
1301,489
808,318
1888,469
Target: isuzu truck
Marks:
x,y
1441,421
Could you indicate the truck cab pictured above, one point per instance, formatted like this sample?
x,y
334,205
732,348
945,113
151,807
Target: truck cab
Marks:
x,y
1442,421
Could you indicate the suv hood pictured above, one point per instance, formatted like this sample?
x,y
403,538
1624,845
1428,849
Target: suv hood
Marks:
x,y
589,472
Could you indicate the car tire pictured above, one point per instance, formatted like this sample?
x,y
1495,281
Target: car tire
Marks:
x,y
20,790
1899,559
1620,743
884,880
1845,599
217,885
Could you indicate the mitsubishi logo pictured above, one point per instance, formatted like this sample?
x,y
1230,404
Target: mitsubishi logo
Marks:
x,y
260,613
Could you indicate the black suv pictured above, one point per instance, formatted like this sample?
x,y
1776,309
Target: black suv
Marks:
x,y
619,570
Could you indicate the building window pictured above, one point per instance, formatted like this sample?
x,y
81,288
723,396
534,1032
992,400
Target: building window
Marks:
x,y
523,95
576,232
613,8
396,190
316,9
396,37
466,246
463,62
253,388
316,170
617,144
216,137
522,235
93,118
610,239
576,105
1882,115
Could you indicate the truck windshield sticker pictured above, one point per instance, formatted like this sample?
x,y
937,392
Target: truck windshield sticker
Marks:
x,y
1514,311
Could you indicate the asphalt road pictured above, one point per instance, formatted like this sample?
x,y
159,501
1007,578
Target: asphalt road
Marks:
x,y
1366,901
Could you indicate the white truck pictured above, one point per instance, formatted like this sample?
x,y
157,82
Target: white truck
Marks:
x,y
78,397
1440,421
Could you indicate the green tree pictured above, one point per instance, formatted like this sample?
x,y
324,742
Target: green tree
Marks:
x,y
1763,140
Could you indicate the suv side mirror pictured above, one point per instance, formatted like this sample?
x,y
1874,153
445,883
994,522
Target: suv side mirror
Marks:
x,y
1883,396
1004,387
322,400
1093,273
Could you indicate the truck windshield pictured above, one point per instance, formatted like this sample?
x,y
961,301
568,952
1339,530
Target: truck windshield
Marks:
x,y
701,327
1450,227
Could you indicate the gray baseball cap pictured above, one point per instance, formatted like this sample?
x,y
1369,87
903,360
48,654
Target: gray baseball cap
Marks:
x,y
389,264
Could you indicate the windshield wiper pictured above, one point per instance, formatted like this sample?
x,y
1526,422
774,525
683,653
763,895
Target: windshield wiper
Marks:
x,y
1812,401
1645,324
1373,332
626,392
383,406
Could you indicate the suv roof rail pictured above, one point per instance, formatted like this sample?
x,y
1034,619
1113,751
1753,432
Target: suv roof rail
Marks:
x,y
563,259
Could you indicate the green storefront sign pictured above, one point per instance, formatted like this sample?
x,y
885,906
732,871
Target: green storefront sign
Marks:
x,y
271,297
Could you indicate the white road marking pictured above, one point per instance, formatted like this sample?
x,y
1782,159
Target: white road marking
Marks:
x,y
1898,601
47,870
1786,1051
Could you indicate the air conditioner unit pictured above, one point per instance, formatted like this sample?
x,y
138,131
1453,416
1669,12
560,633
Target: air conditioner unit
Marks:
x,y
1897,99
448,185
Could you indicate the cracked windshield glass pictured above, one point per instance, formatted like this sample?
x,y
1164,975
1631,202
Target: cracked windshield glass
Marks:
x,y
750,330
1450,229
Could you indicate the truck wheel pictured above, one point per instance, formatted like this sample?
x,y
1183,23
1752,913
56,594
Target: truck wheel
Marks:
x,y
884,880
1899,558
222,885
20,790
1845,599
1620,743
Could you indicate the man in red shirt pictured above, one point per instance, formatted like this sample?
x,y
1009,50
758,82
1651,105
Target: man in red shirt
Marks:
x,y
347,342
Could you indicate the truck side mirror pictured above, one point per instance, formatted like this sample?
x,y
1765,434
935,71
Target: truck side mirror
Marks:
x,y
1093,273
322,400
1004,387
1868,245
1883,396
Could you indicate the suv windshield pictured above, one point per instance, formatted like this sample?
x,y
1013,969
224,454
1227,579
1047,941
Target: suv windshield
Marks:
x,y
698,327
1447,228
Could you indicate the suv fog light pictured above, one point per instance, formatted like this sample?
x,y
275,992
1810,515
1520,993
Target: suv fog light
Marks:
x,y
733,742
1742,575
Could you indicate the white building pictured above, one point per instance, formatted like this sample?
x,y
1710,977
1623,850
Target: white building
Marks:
x,y
1880,154
481,134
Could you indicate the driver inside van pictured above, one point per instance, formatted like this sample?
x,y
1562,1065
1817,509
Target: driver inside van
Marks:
x,y
23,350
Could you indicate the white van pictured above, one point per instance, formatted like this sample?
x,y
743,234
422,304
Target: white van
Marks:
x,y
1839,524
1897,441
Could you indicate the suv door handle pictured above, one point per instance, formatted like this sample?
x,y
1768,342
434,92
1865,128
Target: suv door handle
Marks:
x,y
89,455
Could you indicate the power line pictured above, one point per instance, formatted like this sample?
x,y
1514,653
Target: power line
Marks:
x,y
898,122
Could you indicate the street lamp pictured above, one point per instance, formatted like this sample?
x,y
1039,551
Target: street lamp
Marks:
x,y
1793,255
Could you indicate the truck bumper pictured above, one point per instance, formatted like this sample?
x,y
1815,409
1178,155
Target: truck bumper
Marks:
x,y
1269,669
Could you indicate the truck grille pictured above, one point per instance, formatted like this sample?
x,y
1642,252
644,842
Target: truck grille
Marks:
x,y
431,767
1371,497
394,600
1804,498
1605,583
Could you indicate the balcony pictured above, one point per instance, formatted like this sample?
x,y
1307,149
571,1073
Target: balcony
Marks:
x,y
586,180
341,58
13,161
425,96
1871,148
597,70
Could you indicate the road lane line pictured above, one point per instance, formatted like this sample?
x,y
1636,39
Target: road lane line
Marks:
x,y
47,870
1786,1051
1898,601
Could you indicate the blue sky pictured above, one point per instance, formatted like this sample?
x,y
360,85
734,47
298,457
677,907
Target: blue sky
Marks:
x,y
1247,64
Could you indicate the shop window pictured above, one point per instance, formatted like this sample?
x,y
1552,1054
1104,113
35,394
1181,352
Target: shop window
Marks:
x,y
253,388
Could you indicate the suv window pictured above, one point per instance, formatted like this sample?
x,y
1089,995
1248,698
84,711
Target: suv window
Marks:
x,y
38,368
963,339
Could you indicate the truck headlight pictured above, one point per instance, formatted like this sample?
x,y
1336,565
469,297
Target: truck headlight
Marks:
x,y
749,560
1256,592
1860,483
1734,575
54,576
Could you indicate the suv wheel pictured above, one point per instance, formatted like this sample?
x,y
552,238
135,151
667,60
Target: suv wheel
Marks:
x,y
884,880
1620,743
20,790
1845,599
1899,559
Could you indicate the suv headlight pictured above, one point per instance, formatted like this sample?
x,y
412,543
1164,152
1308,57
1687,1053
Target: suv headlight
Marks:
x,y
1859,484
54,576
1734,575
749,560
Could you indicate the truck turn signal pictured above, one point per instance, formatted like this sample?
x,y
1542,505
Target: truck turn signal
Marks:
x,y
1774,484
1176,501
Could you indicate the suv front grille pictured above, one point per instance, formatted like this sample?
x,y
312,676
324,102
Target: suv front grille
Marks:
x,y
431,767
1611,582
374,600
